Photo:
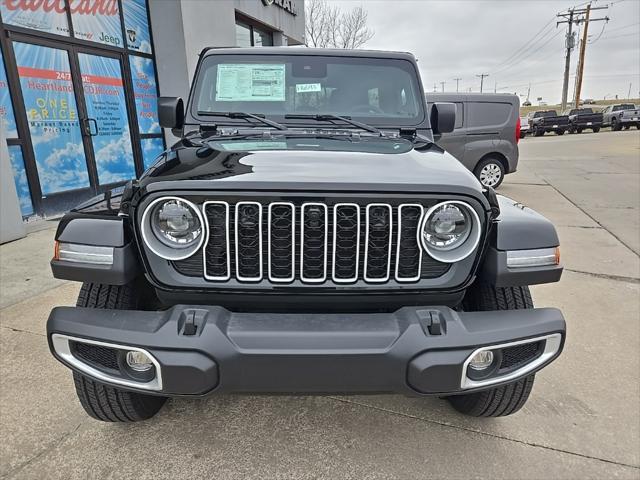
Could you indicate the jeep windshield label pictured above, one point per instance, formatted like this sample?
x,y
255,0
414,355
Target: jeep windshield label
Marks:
x,y
308,87
250,83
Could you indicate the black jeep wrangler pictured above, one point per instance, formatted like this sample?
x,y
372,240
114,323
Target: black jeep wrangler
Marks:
x,y
305,235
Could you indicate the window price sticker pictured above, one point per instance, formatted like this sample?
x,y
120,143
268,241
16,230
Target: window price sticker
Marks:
x,y
250,83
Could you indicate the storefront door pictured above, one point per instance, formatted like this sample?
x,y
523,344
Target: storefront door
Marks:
x,y
78,118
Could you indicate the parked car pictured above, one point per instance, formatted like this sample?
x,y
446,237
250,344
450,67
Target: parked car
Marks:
x,y
545,121
589,101
622,115
524,127
322,244
486,134
584,118
526,103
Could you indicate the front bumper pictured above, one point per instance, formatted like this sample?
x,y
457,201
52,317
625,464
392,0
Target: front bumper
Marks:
x,y
199,350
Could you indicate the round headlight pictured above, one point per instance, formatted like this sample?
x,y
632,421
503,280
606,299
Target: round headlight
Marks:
x,y
447,227
173,228
450,231
175,224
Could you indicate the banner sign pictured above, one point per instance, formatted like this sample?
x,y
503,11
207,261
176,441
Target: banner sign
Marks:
x,y
20,179
47,16
93,20
52,114
7,119
146,94
105,101
97,21
136,25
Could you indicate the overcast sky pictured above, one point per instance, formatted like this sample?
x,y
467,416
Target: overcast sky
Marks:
x,y
464,38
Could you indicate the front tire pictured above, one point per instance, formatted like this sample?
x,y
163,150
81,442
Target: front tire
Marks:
x,y
490,172
505,399
559,132
100,401
616,126
596,129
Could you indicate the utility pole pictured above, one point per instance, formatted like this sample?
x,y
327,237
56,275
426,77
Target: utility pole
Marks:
x,y
442,85
435,88
495,87
567,59
576,16
629,94
482,76
458,83
583,47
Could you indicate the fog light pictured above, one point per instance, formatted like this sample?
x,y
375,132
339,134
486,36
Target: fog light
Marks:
x,y
480,361
139,361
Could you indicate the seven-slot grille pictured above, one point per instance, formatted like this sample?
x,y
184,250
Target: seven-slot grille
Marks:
x,y
313,243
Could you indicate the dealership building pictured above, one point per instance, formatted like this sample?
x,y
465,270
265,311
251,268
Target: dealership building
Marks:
x,y
79,81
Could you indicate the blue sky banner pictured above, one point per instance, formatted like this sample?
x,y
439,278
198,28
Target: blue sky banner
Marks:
x,y
52,114
7,119
151,150
105,99
136,25
20,178
47,16
145,92
97,21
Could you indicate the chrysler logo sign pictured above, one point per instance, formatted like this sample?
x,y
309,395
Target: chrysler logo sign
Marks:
x,y
287,5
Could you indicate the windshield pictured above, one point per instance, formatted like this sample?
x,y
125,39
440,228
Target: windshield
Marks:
x,y
379,91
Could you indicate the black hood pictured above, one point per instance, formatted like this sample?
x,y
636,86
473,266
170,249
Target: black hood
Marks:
x,y
201,166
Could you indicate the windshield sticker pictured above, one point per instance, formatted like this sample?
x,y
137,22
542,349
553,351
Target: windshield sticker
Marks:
x,y
246,146
308,87
250,83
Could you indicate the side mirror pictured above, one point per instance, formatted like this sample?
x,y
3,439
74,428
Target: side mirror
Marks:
x,y
443,117
171,112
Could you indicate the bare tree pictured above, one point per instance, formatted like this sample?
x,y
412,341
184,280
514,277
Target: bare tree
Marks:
x,y
327,26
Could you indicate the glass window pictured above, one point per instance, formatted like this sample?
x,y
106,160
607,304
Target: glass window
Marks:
x,y
105,100
248,35
50,104
376,90
46,16
151,150
97,21
7,119
20,179
243,35
262,38
145,92
136,25
488,114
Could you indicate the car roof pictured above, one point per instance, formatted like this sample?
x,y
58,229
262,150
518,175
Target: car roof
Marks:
x,y
304,51
471,97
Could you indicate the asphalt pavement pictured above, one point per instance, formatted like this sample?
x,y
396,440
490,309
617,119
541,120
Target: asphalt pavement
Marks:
x,y
582,419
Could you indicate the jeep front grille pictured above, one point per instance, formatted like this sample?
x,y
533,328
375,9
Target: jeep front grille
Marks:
x,y
312,242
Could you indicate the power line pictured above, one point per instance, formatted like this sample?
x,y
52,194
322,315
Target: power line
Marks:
x,y
526,44
534,46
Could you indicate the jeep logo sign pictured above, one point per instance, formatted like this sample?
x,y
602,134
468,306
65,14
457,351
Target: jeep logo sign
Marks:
x,y
287,5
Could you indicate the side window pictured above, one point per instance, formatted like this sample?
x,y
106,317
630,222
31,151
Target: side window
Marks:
x,y
488,114
459,115
616,108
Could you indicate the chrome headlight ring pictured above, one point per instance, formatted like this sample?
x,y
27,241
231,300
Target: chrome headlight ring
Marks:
x,y
455,253
161,248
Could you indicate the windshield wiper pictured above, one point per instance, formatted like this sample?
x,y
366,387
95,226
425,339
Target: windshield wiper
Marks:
x,y
329,117
243,115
